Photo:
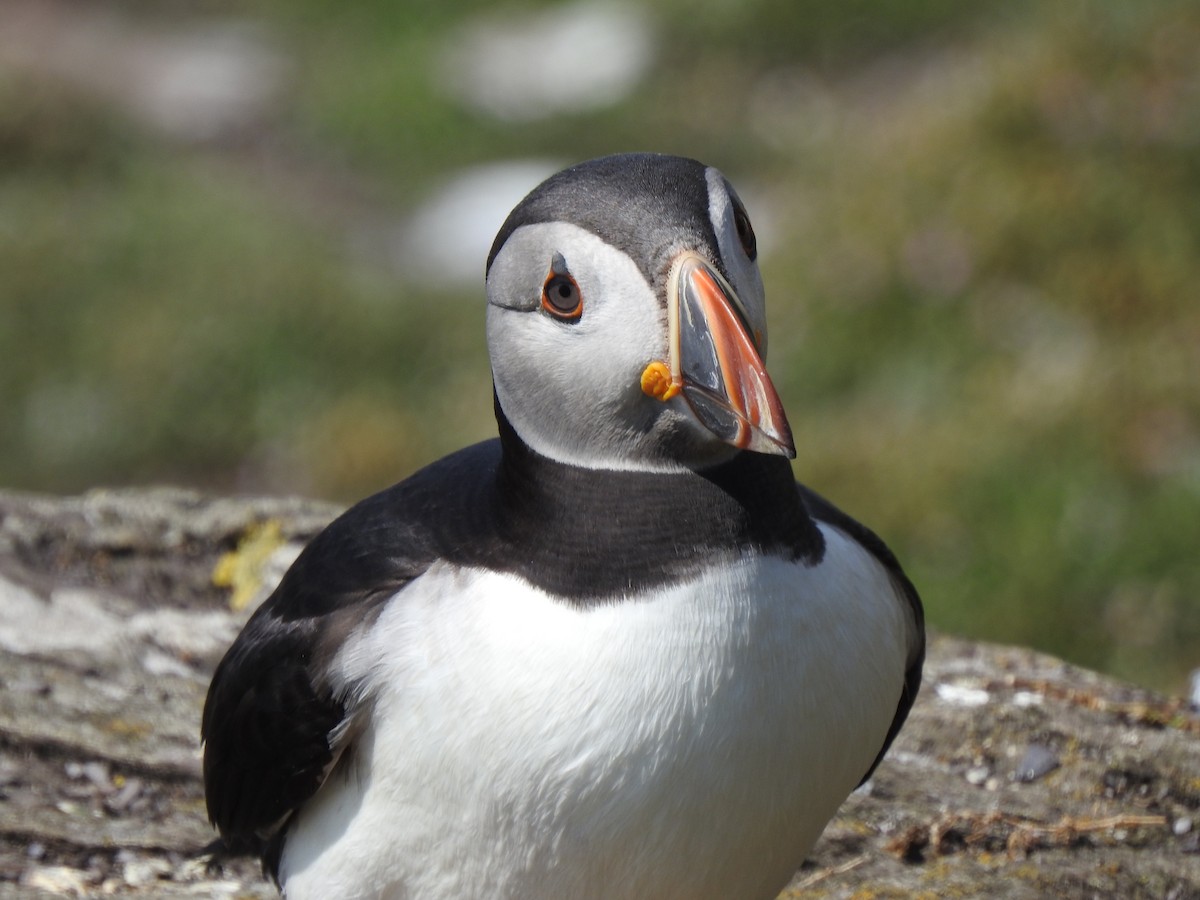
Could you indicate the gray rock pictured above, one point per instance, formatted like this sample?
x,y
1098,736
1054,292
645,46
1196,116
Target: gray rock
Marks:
x,y
1038,761
100,788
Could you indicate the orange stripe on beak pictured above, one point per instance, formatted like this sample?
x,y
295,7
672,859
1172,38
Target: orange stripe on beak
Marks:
x,y
716,363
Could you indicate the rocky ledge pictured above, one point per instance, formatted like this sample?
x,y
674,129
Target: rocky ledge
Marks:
x,y
1017,775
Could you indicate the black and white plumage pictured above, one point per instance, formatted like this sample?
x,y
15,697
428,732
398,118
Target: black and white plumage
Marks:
x,y
616,652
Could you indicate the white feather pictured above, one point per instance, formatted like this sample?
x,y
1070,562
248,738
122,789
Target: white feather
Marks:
x,y
692,743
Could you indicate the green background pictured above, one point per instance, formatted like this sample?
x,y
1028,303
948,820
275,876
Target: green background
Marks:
x,y
982,256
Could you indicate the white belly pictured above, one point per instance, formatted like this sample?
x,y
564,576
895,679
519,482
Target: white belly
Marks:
x,y
690,746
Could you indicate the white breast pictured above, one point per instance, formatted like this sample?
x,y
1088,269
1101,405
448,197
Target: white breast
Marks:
x,y
689,744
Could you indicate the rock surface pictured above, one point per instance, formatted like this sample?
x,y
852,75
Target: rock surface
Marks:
x,y
1017,775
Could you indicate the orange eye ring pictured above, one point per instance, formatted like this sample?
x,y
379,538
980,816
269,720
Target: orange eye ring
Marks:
x,y
561,297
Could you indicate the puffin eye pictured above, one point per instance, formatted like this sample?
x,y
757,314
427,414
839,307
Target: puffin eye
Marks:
x,y
561,297
745,232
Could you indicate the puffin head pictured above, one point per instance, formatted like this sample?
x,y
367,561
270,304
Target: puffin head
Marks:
x,y
626,321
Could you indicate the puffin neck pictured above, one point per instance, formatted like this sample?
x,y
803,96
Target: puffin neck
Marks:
x,y
603,532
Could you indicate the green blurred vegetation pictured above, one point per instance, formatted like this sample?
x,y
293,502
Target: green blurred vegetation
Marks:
x,y
984,233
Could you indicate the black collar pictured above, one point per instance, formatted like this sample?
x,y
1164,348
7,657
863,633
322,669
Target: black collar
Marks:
x,y
590,534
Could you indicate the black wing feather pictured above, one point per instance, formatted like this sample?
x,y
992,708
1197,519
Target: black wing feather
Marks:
x,y
824,511
271,712
266,728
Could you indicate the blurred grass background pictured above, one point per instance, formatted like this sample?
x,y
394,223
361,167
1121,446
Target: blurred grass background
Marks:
x,y
982,258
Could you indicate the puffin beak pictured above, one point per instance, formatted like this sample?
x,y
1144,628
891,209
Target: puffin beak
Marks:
x,y
715,362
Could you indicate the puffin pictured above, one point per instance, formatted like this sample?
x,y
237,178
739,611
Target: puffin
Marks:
x,y
617,651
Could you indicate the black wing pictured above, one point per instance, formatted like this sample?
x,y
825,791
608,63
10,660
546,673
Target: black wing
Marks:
x,y
273,726
824,511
